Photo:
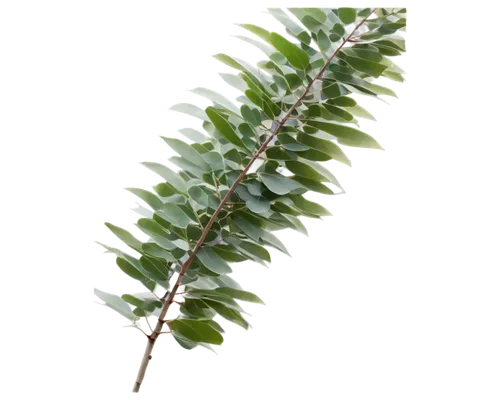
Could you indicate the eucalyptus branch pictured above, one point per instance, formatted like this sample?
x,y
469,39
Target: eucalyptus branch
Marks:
x,y
170,297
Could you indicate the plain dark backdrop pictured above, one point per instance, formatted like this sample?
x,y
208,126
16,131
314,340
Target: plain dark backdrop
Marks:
x,y
340,305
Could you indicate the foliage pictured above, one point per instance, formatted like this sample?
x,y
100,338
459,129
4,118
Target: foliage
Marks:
x,y
305,119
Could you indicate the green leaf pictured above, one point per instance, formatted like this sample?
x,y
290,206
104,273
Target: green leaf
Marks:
x,y
165,190
271,240
257,30
290,143
331,89
116,303
187,152
369,67
147,301
194,135
157,251
310,206
125,236
313,185
258,205
292,28
229,61
196,331
224,127
157,270
133,272
346,135
301,12
148,197
190,109
215,160
347,15
252,231
250,249
240,295
295,55
279,184
175,215
166,173
199,196
213,261
324,146
297,224
202,282
228,313
276,153
323,41
344,101
251,115
304,170
216,98
156,232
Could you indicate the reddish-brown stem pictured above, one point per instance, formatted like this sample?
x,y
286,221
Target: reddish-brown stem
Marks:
x,y
170,296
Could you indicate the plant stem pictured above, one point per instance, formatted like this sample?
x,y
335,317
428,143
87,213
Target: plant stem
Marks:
x,y
170,297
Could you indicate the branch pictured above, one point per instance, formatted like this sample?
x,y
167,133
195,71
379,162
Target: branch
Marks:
x,y
201,240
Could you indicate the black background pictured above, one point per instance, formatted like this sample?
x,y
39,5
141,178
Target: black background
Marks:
x,y
339,306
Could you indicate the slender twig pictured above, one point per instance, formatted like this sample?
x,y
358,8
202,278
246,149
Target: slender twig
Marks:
x,y
170,295
149,324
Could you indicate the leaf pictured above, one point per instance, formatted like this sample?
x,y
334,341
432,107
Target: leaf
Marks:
x,y
148,197
116,303
344,101
187,152
202,283
313,185
272,240
166,173
251,249
215,160
213,261
240,295
125,236
157,251
347,15
228,313
224,127
157,270
199,196
258,205
310,206
164,190
369,67
292,28
229,61
133,272
154,230
279,184
190,109
196,331
304,170
257,30
194,135
145,301
360,84
324,146
323,41
216,98
175,215
252,231
277,153
295,55
251,115
197,309
347,135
